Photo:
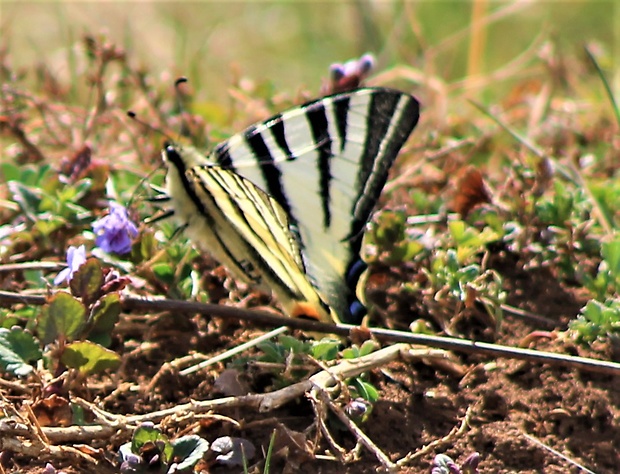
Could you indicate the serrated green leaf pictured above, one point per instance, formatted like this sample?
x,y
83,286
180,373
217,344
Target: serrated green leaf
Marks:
x,y
89,358
88,280
271,351
293,344
17,349
63,316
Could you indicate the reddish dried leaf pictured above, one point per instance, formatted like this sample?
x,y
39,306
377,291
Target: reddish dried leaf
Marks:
x,y
470,192
293,445
75,166
53,411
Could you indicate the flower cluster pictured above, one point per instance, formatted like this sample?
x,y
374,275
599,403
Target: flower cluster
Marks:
x,y
114,234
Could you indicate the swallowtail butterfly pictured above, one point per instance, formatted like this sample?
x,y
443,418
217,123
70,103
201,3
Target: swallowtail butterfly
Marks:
x,y
283,205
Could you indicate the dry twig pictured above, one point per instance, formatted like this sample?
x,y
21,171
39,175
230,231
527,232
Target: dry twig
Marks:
x,y
455,433
384,335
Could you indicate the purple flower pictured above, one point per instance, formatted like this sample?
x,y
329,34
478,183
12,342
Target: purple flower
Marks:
x,y
356,409
50,469
76,256
115,231
348,76
443,464
354,68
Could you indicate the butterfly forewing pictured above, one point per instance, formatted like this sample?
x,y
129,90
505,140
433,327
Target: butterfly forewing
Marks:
x,y
244,228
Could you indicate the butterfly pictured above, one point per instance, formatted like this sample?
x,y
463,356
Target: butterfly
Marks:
x,y
284,204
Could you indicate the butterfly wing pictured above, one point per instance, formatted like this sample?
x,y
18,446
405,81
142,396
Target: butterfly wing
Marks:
x,y
325,164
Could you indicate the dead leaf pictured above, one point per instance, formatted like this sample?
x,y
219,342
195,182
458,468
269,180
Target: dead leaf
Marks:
x,y
470,192
544,176
75,166
292,446
53,411
231,384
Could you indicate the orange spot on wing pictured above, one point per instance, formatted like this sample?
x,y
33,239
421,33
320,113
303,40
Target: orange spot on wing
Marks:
x,y
309,311
305,310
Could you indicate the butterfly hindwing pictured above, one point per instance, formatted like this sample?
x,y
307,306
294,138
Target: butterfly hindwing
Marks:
x,y
287,200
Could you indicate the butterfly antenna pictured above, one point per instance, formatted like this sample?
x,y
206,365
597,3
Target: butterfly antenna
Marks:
x,y
185,129
132,115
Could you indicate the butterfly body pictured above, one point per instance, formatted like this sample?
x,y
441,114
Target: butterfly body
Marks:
x,y
284,204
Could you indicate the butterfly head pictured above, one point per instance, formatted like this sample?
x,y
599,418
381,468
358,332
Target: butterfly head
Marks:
x,y
183,157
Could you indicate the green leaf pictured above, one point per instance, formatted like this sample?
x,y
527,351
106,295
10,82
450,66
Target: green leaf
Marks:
x,y
368,347
146,249
597,319
390,228
89,358
104,316
7,320
164,272
149,434
17,349
27,198
188,450
367,391
79,415
27,314
611,253
72,194
272,352
594,312
63,316
9,172
47,223
325,349
457,230
293,345
88,280
35,279
146,434
352,352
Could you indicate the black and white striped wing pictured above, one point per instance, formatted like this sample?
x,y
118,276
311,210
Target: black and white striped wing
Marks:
x,y
243,227
325,163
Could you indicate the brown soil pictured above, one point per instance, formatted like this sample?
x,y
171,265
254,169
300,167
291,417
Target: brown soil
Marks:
x,y
575,413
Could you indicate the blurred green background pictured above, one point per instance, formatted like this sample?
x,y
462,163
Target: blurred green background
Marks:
x,y
291,44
